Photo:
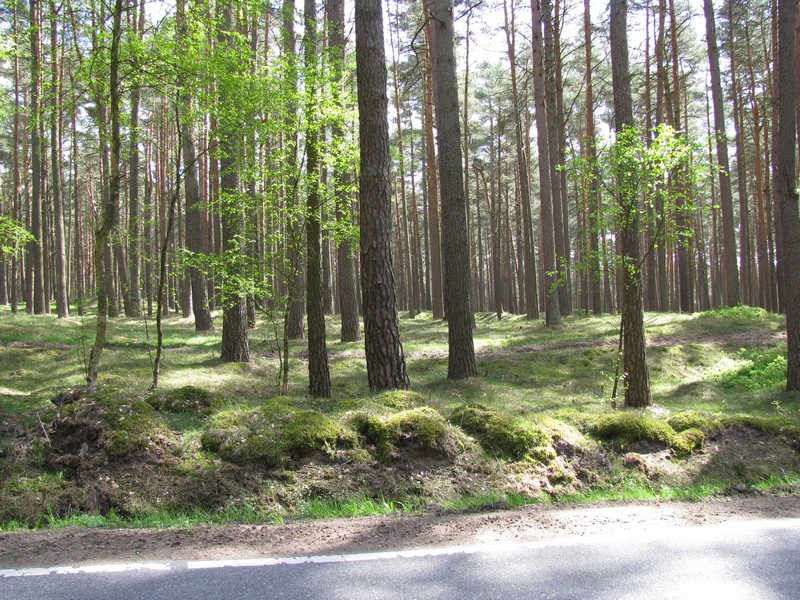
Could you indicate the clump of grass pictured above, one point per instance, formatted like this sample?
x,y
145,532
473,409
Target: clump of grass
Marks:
x,y
688,441
503,436
28,499
359,506
272,433
401,399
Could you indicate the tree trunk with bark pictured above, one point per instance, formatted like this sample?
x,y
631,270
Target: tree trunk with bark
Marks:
x,y
235,343
729,267
345,261
637,377
547,239
785,185
455,243
110,200
386,366
319,378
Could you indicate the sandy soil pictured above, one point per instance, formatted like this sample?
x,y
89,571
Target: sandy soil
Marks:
x,y
531,523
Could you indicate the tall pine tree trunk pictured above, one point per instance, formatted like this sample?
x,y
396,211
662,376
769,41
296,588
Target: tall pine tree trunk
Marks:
x,y
547,236
730,271
531,297
235,343
785,186
386,366
319,378
345,262
637,377
60,250
455,243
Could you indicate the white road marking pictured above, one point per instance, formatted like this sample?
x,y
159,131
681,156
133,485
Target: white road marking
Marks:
x,y
85,569
709,532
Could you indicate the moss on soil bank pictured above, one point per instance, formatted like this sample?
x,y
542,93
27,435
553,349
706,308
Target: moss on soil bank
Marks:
x,y
214,442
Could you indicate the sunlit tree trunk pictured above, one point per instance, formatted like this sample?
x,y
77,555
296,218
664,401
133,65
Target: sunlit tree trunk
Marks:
x,y
785,186
110,200
319,378
547,240
235,343
455,241
386,366
529,267
637,377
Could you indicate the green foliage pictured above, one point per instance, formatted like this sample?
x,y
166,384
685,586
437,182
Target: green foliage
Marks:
x,y
758,369
401,399
127,425
505,437
13,238
26,499
273,433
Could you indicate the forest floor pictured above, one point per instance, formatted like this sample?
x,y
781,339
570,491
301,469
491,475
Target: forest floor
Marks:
x,y
215,463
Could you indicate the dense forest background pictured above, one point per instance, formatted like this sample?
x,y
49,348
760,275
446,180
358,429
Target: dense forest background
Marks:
x,y
206,155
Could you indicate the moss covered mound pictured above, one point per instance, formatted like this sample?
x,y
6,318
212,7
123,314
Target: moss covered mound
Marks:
x,y
110,423
626,428
186,399
420,429
688,440
505,437
272,433
690,420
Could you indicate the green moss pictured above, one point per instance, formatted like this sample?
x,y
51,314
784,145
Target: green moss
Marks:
x,y
127,425
688,440
690,420
505,437
272,433
772,425
627,427
423,429
401,399
186,399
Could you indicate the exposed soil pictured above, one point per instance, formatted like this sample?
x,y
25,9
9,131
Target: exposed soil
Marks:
x,y
530,523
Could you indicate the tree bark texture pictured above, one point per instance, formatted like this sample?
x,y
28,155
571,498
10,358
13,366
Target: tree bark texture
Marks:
x,y
319,378
235,343
455,243
784,183
637,377
386,366
345,261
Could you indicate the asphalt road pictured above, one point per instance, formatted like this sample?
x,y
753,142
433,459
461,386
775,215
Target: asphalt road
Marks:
x,y
751,559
